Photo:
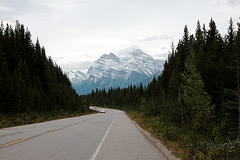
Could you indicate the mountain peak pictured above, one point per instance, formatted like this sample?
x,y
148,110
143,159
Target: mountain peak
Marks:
x,y
113,57
107,59
111,54
120,69
132,52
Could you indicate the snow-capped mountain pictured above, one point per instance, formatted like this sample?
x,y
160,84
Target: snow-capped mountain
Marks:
x,y
120,69
77,77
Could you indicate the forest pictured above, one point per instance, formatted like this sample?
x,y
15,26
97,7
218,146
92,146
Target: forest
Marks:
x,y
29,81
195,102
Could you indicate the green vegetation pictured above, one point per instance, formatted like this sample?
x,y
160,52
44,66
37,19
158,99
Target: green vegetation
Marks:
x,y
195,103
183,142
30,83
10,120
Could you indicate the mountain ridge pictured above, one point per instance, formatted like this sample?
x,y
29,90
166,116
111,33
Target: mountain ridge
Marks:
x,y
120,69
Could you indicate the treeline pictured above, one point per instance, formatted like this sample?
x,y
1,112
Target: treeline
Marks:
x,y
198,93
29,81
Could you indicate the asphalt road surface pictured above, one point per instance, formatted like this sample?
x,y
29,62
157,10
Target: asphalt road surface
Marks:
x,y
102,136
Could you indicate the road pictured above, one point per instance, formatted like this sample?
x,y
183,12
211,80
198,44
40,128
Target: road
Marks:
x,y
102,136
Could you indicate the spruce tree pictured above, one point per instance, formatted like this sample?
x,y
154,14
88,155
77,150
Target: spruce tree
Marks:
x,y
237,58
196,98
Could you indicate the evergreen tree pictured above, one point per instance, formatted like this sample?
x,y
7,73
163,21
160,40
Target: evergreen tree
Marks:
x,y
199,101
237,61
29,81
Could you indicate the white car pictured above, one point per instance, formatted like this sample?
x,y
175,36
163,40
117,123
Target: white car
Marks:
x,y
102,111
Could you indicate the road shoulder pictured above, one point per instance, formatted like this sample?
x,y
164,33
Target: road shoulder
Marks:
x,y
156,142
125,141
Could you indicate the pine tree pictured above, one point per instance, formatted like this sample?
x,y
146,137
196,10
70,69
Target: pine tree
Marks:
x,y
182,50
4,86
237,58
29,81
196,98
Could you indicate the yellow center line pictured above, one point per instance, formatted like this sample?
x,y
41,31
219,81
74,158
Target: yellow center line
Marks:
x,y
53,130
20,140
23,139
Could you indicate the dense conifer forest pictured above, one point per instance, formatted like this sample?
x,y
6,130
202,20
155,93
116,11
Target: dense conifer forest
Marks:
x,y
196,100
194,103
29,81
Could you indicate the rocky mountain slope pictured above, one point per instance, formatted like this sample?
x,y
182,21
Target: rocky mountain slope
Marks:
x,y
120,69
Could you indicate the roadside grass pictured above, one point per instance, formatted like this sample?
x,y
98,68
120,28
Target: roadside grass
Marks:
x,y
185,144
10,120
153,125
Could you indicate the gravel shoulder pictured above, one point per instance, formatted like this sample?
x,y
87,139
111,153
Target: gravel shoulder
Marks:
x,y
156,142
125,141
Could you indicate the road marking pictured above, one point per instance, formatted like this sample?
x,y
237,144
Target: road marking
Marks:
x,y
23,139
103,139
14,142
53,130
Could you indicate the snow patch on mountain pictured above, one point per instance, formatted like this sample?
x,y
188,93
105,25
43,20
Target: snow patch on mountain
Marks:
x,y
77,77
120,69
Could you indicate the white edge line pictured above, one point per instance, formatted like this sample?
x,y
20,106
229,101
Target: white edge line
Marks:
x,y
104,137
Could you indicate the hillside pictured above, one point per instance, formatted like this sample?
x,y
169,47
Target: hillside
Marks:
x,y
29,81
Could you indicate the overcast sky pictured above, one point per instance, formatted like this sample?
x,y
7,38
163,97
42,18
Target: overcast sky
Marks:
x,y
74,31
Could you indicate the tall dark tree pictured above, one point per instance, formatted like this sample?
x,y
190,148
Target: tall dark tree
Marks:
x,y
29,81
237,58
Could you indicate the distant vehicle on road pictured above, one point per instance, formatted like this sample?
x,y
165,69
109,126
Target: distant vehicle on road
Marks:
x,y
102,111
95,107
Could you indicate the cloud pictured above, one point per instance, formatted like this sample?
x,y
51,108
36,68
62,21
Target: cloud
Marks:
x,y
155,38
73,63
164,48
233,2
85,2
13,8
58,59
80,66
162,56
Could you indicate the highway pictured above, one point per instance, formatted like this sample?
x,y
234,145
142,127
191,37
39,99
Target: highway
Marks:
x,y
102,136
